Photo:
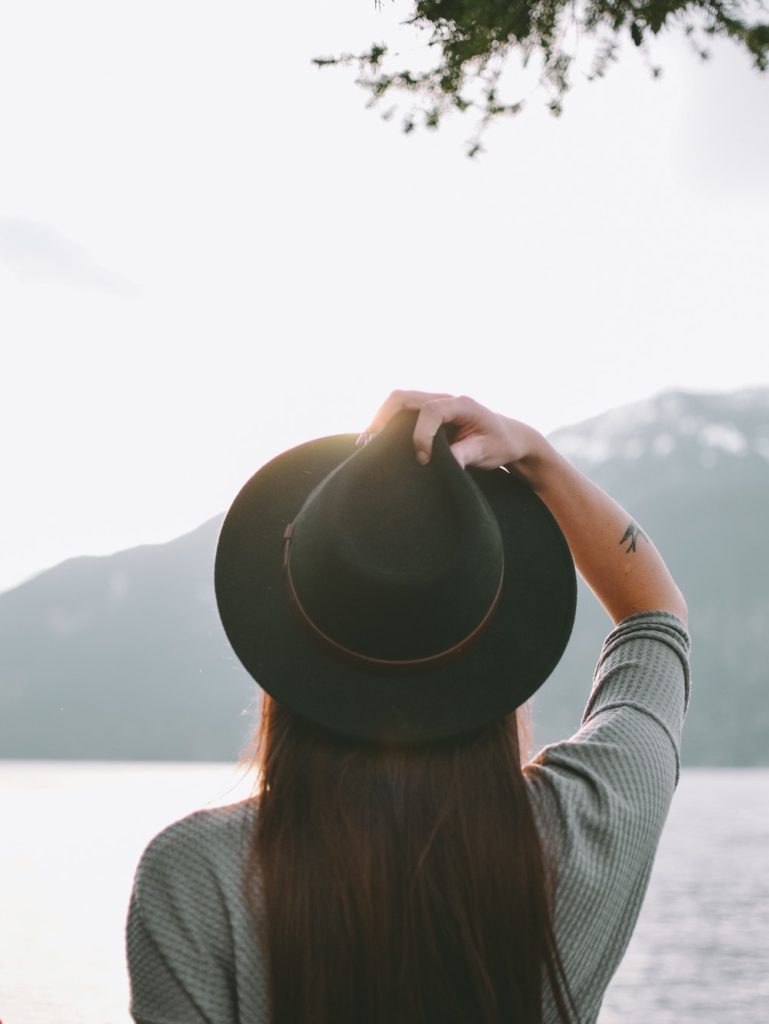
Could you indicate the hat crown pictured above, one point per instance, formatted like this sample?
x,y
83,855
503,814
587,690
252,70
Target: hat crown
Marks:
x,y
393,561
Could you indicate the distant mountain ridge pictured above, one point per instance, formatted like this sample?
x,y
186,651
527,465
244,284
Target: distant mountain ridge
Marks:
x,y
123,657
704,425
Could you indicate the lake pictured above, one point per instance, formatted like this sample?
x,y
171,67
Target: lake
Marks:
x,y
73,833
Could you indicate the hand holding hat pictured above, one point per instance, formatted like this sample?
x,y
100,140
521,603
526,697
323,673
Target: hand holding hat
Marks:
x,y
482,438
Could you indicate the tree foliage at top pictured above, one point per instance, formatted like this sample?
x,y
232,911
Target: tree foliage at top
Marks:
x,y
474,40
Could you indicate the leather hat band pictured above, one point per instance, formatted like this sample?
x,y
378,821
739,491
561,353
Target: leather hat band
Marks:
x,y
346,652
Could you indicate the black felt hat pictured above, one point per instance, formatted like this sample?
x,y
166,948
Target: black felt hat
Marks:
x,y
390,601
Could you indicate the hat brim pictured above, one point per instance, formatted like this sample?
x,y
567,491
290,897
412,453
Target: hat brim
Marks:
x,y
501,670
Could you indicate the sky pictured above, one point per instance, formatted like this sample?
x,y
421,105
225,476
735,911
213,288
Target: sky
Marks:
x,y
210,250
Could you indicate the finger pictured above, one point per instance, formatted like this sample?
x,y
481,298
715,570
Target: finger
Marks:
x,y
432,416
396,402
470,451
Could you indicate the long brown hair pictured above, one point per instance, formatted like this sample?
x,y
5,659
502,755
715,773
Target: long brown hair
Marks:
x,y
401,884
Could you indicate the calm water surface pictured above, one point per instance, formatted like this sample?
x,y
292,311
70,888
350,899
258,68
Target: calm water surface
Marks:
x,y
72,834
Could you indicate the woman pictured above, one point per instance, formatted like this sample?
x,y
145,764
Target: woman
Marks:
x,y
400,603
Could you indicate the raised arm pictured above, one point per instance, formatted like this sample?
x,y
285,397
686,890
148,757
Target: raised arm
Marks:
x,y
615,557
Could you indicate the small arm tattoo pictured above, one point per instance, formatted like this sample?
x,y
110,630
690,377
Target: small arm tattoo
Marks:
x,y
631,535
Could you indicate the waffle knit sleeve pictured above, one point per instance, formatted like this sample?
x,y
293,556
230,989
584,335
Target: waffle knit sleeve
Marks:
x,y
601,797
178,938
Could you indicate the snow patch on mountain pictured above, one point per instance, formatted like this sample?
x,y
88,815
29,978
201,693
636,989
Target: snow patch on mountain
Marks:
x,y
584,449
688,425
725,436
663,444
633,448
717,425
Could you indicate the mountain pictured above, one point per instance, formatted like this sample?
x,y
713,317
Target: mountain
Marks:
x,y
123,657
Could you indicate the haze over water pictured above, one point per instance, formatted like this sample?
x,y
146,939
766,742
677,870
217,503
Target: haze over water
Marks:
x,y
73,833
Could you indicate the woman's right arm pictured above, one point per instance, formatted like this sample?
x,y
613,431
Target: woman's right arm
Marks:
x,y
613,555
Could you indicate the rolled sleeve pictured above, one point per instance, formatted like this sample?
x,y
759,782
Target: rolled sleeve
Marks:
x,y
644,666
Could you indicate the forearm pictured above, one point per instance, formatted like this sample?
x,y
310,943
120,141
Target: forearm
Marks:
x,y
614,556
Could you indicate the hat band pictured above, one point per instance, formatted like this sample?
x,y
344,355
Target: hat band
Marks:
x,y
407,663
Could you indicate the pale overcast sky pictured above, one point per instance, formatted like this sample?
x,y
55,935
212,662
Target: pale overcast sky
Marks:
x,y
210,250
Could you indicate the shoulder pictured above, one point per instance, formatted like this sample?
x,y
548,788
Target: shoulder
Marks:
x,y
189,944
201,830
201,854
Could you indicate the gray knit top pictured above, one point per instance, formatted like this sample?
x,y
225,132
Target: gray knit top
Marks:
x,y
600,800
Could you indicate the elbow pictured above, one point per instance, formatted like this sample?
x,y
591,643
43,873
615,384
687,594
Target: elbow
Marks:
x,y
679,607
658,599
